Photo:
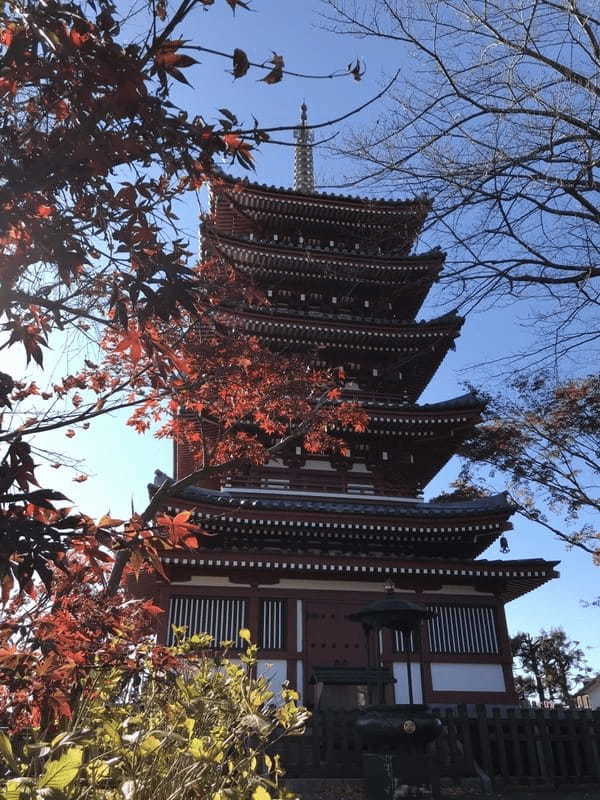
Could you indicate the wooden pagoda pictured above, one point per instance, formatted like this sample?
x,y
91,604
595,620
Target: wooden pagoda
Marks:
x,y
306,541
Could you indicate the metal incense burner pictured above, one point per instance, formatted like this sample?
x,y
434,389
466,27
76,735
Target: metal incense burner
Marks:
x,y
395,736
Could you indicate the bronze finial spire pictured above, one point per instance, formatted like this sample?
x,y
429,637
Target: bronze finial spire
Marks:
x,y
304,177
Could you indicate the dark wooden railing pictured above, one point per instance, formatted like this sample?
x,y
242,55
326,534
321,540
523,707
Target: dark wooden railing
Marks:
x,y
519,747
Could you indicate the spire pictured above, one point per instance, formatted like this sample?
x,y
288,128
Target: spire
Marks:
x,y
304,178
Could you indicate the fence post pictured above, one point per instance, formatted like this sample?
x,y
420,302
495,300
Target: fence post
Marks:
x,y
500,744
547,768
591,730
573,729
465,730
484,741
515,735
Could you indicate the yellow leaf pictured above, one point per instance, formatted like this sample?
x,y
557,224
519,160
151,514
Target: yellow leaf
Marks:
x,y
260,794
58,774
109,522
149,745
6,750
196,748
14,789
245,635
98,770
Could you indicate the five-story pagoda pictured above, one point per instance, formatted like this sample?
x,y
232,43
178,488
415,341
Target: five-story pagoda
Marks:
x,y
305,541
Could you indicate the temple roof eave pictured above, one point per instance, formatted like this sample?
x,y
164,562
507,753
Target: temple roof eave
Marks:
x,y
498,505
269,321
353,201
430,261
508,580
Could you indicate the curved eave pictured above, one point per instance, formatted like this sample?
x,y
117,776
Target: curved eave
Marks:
x,y
425,417
285,256
505,579
285,196
293,534
324,331
464,512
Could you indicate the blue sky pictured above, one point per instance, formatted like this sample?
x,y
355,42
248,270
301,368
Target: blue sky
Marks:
x,y
121,462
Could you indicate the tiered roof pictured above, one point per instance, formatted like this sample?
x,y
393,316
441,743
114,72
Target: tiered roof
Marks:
x,y
342,286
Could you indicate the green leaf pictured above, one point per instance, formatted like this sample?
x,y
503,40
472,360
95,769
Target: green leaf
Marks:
x,y
111,732
60,773
149,745
98,770
14,789
6,751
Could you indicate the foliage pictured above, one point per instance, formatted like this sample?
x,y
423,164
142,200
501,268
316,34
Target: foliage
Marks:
x,y
460,489
95,155
545,437
494,116
164,723
524,687
552,663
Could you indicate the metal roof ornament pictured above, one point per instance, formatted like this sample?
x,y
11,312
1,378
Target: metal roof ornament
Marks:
x,y
304,177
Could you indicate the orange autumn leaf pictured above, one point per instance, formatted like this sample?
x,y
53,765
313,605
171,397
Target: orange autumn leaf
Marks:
x,y
131,342
178,526
78,39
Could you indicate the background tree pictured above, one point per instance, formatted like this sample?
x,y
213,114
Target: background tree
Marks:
x,y
551,662
525,688
528,649
545,438
494,116
564,664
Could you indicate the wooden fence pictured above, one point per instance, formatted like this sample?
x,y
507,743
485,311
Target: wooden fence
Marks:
x,y
523,747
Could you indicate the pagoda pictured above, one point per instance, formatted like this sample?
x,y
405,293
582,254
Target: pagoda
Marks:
x,y
305,541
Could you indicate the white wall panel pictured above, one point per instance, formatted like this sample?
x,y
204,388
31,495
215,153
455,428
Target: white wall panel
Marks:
x,y
401,685
467,678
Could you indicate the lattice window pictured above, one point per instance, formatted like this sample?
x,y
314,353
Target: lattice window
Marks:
x,y
222,617
401,641
272,628
463,629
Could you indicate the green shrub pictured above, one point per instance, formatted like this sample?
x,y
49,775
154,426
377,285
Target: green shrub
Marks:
x,y
172,724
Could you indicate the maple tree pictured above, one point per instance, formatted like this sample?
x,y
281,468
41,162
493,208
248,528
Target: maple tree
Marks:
x,y
95,154
544,437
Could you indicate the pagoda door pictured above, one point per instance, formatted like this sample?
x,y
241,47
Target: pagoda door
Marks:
x,y
331,639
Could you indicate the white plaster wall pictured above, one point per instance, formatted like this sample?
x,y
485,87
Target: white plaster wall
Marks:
x,y
299,687
401,685
467,678
275,671
594,695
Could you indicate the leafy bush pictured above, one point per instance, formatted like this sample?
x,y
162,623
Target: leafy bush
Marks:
x,y
182,724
